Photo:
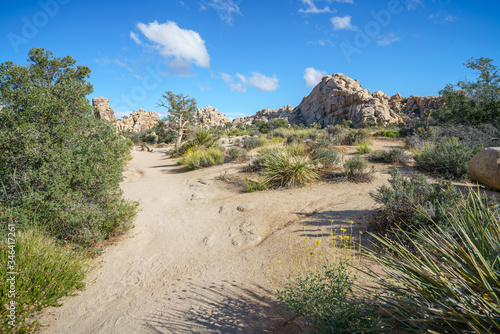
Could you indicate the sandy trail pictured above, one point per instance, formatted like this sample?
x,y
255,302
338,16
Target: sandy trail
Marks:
x,y
196,259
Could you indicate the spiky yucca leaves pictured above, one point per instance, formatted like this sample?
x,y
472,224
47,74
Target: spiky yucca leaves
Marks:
x,y
442,283
285,169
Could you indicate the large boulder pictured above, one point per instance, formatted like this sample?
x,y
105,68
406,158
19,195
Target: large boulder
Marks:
x,y
104,111
208,117
484,168
139,120
338,97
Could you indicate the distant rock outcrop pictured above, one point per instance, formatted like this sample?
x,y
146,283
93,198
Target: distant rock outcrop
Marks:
x,y
138,121
338,97
208,117
265,115
104,111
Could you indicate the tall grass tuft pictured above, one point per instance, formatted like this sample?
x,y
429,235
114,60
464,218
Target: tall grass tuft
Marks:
x,y
445,282
199,157
282,168
46,271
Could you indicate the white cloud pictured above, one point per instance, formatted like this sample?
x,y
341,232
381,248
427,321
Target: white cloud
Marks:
x,y
388,39
122,64
238,87
450,18
184,46
135,38
260,81
313,9
313,76
414,4
226,77
342,23
226,9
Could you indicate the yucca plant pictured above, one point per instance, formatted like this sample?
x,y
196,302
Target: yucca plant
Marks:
x,y
284,169
445,282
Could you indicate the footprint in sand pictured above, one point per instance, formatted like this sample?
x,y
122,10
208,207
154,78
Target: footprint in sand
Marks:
x,y
247,235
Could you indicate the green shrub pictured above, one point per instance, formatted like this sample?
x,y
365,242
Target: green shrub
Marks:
x,y
200,157
251,186
284,169
235,153
450,159
445,282
355,169
388,133
47,272
253,142
327,157
363,148
60,167
326,301
411,201
394,155
334,130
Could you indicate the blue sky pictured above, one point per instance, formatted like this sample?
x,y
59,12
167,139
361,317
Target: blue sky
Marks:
x,y
241,56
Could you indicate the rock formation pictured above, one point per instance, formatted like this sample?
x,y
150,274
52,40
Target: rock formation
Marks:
x,y
104,111
208,117
265,115
338,97
485,168
138,121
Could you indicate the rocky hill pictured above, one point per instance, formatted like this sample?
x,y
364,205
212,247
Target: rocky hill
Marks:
x,y
104,111
138,121
209,116
264,115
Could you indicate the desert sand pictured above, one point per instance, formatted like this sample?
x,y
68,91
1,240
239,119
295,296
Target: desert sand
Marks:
x,y
196,260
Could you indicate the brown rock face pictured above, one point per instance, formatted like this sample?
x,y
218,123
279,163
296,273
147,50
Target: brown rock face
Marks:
x,y
104,111
338,97
138,121
485,168
208,117
265,115
419,105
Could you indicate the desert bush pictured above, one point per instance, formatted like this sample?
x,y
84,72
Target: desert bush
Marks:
x,y
235,153
394,155
450,159
414,143
251,186
296,149
294,138
151,137
356,169
411,201
200,157
445,282
363,148
253,142
284,169
47,272
355,136
388,133
485,135
60,167
326,156
334,130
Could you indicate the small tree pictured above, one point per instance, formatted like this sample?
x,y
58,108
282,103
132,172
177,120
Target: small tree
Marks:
x,y
60,167
473,102
181,109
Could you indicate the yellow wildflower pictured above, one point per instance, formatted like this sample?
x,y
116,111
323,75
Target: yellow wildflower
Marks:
x,y
317,243
343,229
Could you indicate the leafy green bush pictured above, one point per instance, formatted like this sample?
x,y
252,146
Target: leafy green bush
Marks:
x,y
394,155
445,282
253,142
450,159
200,157
47,272
412,201
326,301
60,167
284,169
334,130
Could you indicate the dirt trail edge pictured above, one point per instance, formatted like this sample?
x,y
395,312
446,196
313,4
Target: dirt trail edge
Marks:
x,y
196,259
